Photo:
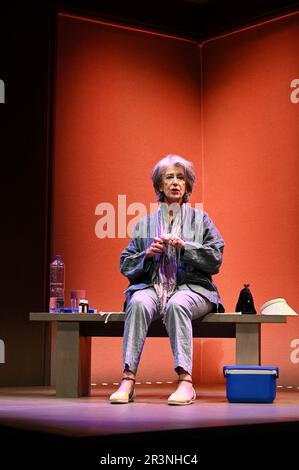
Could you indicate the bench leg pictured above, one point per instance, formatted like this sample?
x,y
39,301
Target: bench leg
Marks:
x,y
73,358
248,344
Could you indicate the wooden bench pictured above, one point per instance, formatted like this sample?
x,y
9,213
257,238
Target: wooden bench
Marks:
x,y
75,330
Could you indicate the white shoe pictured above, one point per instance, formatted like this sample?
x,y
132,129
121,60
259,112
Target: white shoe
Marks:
x,y
182,398
122,396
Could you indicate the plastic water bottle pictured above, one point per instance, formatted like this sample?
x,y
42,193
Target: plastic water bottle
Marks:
x,y
57,273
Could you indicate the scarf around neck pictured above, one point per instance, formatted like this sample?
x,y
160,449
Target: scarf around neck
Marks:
x,y
165,273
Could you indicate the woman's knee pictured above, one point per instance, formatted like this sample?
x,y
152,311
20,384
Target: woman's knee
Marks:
x,y
140,310
175,309
135,304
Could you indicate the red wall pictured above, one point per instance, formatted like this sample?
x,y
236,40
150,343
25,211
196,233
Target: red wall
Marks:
x,y
251,168
124,98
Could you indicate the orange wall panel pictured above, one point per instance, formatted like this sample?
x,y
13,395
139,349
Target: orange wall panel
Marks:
x,y
251,167
124,99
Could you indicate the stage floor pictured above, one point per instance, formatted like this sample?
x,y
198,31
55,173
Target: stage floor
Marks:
x,y
90,428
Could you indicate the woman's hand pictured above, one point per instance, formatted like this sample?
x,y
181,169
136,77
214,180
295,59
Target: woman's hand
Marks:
x,y
156,248
173,240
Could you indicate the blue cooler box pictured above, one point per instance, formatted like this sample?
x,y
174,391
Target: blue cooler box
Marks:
x,y
250,384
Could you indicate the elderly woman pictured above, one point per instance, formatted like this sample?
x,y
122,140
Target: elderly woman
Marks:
x,y
169,263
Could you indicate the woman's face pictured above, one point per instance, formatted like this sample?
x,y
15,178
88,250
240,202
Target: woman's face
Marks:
x,y
173,184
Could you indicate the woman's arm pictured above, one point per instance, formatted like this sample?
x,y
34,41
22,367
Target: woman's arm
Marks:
x,y
205,256
134,264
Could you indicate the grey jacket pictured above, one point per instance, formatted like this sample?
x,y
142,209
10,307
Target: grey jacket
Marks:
x,y
197,262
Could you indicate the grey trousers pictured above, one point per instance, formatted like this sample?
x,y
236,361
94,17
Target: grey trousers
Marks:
x,y
183,306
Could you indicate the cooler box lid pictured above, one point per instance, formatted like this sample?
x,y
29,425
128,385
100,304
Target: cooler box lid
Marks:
x,y
266,370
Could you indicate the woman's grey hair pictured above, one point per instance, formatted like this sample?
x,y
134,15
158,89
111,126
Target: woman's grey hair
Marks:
x,y
160,168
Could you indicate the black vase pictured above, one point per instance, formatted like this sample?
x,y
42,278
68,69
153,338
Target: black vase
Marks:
x,y
245,302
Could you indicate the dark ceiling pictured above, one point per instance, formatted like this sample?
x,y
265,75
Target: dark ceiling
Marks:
x,y
196,19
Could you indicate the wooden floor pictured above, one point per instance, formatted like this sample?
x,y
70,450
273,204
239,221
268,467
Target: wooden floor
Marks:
x,y
34,421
